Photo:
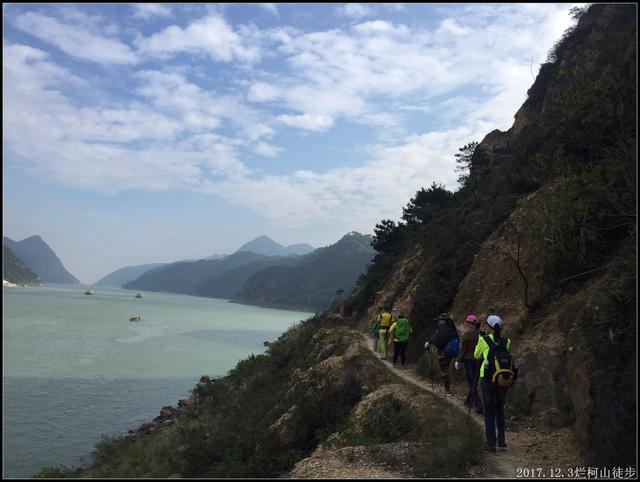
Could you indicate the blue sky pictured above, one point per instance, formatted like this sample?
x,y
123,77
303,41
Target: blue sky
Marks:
x,y
140,133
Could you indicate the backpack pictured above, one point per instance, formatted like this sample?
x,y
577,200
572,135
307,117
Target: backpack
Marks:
x,y
500,370
385,320
402,329
452,349
374,330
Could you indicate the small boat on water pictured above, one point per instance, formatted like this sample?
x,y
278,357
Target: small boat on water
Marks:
x,y
89,292
135,318
139,296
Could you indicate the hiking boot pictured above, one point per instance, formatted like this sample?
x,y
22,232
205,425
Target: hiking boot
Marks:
x,y
490,449
479,410
502,443
448,393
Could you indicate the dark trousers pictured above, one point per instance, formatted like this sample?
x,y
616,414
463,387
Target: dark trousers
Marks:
x,y
399,348
471,371
444,361
493,406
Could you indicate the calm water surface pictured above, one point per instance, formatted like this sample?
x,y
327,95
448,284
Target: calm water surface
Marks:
x,y
74,367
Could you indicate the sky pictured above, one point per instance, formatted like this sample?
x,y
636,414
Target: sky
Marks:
x,y
143,133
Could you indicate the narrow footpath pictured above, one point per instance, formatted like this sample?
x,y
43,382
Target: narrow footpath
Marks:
x,y
549,450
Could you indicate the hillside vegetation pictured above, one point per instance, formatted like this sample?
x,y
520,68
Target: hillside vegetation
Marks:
x,y
14,270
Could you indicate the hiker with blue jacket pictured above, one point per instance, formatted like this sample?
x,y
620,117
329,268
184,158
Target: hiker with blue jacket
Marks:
x,y
497,374
447,341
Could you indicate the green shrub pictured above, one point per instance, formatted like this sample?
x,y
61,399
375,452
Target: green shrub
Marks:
x,y
60,472
390,422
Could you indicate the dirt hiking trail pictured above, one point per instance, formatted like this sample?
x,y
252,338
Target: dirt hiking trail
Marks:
x,y
527,447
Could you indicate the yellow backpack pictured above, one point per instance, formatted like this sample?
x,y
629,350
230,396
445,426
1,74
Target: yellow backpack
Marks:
x,y
385,320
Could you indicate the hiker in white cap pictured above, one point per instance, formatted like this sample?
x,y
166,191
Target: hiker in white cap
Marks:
x,y
497,374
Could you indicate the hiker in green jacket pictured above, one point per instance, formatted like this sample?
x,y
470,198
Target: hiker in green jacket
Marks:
x,y
493,395
401,330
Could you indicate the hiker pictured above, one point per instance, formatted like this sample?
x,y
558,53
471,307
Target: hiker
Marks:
x,y
375,333
401,330
496,375
385,319
467,359
447,341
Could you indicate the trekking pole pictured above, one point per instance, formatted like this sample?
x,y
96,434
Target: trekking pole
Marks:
x,y
430,363
475,380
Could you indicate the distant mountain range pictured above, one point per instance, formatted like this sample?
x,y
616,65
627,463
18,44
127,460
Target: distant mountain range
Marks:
x,y
312,281
261,245
229,283
36,255
267,246
185,276
264,272
129,273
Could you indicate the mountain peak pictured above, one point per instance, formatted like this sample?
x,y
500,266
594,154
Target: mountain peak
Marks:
x,y
262,245
36,255
267,246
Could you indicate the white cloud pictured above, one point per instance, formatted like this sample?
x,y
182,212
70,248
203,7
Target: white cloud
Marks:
x,y
258,131
173,93
268,150
262,92
355,10
109,148
269,7
210,35
348,74
350,195
311,122
75,41
148,10
469,73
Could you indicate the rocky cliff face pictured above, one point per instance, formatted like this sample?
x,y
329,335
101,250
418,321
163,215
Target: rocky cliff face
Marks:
x,y
561,331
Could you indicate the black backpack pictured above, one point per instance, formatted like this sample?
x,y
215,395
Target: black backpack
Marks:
x,y
500,370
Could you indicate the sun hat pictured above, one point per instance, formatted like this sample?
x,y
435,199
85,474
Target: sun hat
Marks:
x,y
493,320
473,319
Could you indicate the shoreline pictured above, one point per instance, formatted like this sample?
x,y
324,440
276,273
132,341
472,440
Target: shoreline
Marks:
x,y
9,284
296,308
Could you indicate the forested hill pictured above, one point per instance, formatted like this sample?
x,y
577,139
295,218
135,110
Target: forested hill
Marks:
x,y
542,231
314,280
267,246
40,258
126,274
14,270
308,282
185,276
